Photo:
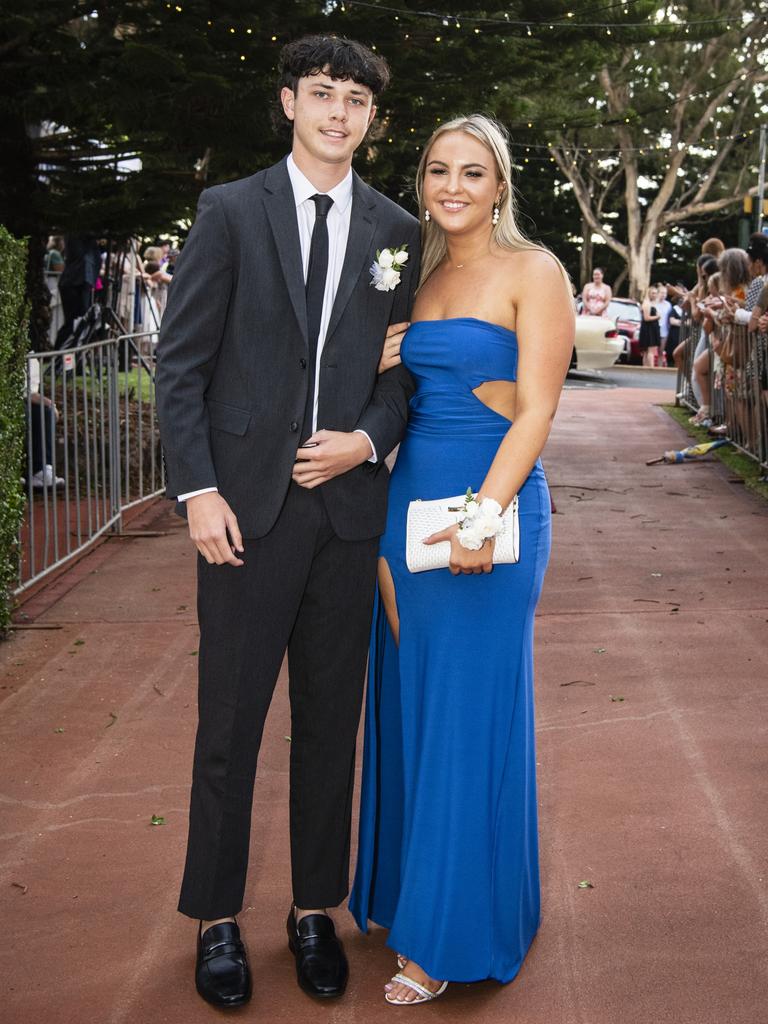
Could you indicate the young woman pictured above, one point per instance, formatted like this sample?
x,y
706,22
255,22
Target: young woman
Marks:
x,y
650,336
448,856
596,296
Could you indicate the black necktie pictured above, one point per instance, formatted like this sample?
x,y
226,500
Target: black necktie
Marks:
x,y
316,275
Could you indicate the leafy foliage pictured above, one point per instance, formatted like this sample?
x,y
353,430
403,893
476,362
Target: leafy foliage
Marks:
x,y
13,348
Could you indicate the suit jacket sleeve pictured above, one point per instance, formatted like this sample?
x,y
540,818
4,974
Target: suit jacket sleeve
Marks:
x,y
384,418
190,338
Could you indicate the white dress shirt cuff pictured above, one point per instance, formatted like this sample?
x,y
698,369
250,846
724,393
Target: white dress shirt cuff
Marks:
x,y
194,494
742,316
373,457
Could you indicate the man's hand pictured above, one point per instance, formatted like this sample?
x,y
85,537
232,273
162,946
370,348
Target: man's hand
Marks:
x,y
333,452
210,517
390,355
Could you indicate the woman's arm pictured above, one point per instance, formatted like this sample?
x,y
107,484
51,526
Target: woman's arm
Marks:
x,y
545,334
754,319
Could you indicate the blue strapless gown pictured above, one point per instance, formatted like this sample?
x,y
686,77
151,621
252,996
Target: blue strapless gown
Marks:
x,y
448,845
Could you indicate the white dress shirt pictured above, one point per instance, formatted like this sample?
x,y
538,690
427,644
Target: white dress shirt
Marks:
x,y
338,231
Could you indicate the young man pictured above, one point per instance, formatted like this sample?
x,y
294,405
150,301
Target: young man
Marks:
x,y
276,423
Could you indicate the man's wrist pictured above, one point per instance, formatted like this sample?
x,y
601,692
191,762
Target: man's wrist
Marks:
x,y
195,494
370,450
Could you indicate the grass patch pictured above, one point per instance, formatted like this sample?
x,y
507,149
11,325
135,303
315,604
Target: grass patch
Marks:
x,y
739,464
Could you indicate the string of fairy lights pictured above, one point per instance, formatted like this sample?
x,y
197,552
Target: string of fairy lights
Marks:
x,y
571,22
480,24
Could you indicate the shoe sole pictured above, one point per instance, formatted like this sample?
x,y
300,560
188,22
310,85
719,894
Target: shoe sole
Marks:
x,y
232,1005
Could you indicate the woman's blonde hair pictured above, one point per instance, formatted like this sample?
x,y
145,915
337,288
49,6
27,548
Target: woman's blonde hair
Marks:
x,y
506,232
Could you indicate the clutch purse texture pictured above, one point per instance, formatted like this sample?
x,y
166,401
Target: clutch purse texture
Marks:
x,y
428,517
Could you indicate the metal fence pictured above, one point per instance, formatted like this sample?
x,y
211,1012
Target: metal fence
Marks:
x,y
93,447
734,383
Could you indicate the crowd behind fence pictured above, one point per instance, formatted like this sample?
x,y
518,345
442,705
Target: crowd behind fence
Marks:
x,y
93,447
738,386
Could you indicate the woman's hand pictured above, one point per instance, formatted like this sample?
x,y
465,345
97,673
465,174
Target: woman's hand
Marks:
x,y
390,355
463,560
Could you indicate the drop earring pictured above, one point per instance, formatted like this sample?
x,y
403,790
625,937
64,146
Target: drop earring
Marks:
x,y
495,217
427,216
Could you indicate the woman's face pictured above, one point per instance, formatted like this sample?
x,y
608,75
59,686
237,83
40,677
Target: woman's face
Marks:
x,y
461,183
756,267
653,294
597,276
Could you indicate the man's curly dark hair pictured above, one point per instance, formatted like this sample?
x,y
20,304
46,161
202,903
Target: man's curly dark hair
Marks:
x,y
343,59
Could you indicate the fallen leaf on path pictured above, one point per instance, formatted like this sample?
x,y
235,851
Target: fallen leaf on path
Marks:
x,y
582,578
113,719
287,739
578,682
617,699
20,885
157,820
598,650
157,690
585,885
59,729
79,643
647,600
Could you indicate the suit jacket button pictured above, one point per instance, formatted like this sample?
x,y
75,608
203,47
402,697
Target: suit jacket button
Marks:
x,y
294,426
303,364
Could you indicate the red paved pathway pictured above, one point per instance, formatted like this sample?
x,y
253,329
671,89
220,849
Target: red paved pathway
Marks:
x,y
651,696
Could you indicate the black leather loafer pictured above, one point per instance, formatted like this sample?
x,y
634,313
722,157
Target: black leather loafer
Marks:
x,y
222,975
321,966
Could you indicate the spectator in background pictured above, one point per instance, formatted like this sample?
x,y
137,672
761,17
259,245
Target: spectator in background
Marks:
x,y
705,267
664,309
713,247
54,255
41,418
649,328
710,307
82,265
596,295
675,322
157,279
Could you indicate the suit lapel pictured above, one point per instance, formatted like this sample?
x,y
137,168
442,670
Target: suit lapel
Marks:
x,y
281,211
362,225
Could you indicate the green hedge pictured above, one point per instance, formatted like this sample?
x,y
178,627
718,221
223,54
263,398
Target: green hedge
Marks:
x,y
13,348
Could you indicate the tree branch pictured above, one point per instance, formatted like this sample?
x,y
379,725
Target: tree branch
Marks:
x,y
567,164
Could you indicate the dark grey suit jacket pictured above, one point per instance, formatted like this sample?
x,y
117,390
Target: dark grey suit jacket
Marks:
x,y
232,373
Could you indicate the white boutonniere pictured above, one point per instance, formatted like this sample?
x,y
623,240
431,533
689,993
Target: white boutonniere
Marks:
x,y
386,268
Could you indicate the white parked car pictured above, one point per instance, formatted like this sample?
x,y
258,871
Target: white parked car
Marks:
x,y
598,344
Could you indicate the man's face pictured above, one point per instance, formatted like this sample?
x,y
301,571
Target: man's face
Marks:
x,y
330,117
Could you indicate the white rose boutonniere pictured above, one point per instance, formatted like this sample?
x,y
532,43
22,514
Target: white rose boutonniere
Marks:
x,y
386,268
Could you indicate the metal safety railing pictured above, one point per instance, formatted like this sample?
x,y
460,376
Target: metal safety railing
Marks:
x,y
92,447
730,375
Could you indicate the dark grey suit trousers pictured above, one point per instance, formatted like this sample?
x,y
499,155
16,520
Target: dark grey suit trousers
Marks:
x,y
304,589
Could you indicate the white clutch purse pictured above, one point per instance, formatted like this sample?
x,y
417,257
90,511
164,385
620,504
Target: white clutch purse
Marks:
x,y
428,517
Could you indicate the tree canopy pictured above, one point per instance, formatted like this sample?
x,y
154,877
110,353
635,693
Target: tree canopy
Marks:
x,y
115,113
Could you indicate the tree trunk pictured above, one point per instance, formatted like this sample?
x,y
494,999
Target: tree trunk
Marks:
x,y
20,213
585,256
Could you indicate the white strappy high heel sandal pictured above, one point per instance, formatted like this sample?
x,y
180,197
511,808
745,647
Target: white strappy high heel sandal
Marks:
x,y
423,995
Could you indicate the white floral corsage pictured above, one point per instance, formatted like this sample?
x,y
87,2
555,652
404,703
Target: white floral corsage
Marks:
x,y
482,520
386,268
